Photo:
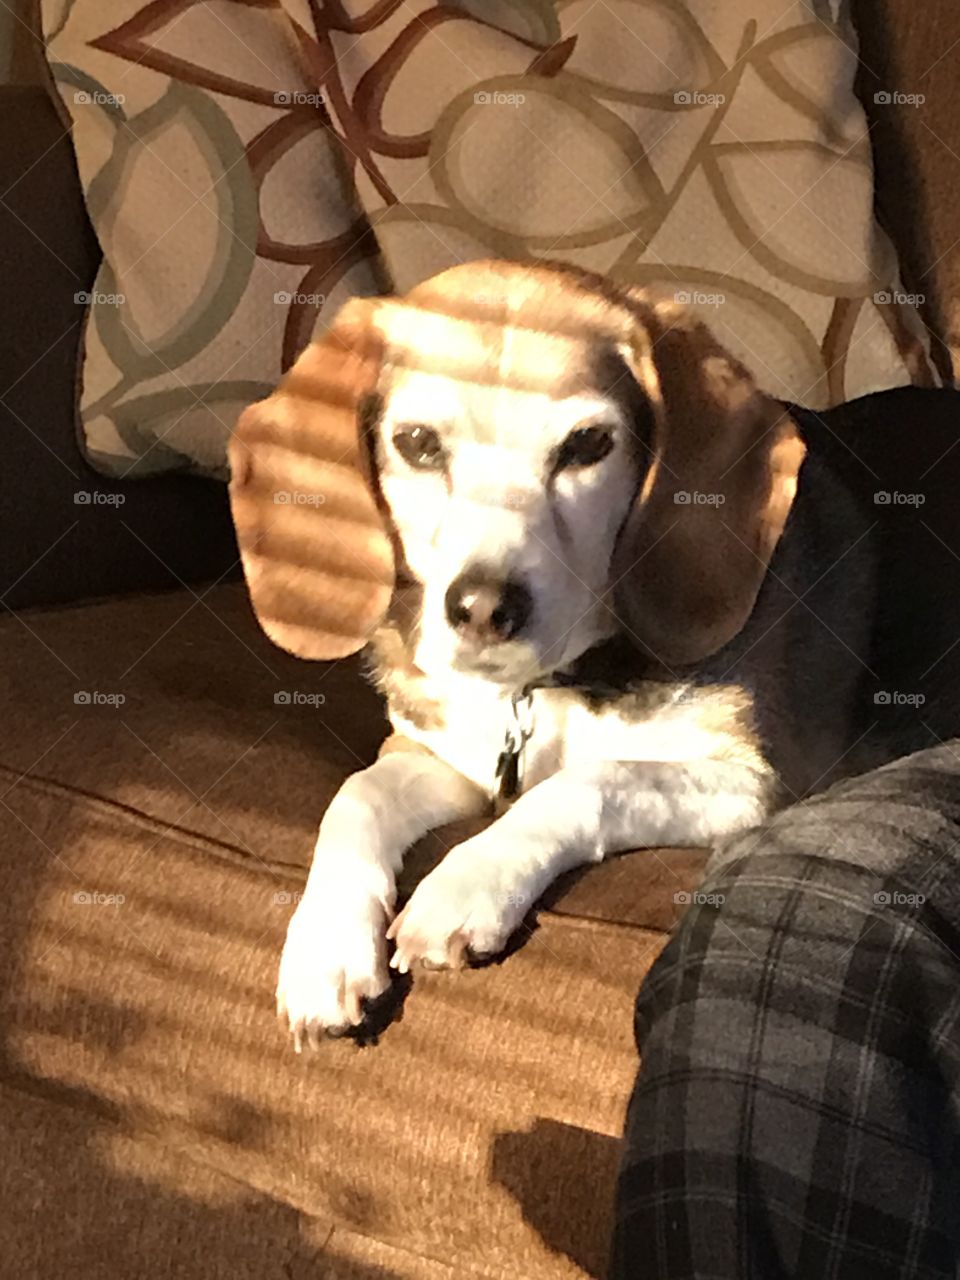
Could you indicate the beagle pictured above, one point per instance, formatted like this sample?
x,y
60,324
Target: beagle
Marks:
x,y
611,591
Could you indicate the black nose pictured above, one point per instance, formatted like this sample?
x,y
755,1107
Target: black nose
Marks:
x,y
487,610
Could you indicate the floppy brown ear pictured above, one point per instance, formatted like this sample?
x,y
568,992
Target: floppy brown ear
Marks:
x,y
723,476
316,551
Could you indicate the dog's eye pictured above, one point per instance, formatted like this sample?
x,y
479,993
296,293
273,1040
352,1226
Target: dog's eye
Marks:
x,y
420,447
583,448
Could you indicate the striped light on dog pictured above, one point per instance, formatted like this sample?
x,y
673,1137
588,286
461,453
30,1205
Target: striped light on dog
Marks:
x,y
316,552
317,543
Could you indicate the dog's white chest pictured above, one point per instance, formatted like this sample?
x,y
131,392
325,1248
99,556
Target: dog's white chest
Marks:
x,y
561,730
478,723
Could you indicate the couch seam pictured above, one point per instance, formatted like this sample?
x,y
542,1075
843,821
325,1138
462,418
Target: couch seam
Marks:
x,y
219,849
223,851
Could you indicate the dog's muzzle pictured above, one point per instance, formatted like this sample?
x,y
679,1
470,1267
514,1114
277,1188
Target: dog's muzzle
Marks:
x,y
485,610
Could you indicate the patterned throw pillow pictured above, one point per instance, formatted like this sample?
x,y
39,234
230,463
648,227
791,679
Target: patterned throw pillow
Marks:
x,y
249,164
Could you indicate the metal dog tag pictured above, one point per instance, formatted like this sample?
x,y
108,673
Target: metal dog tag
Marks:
x,y
508,771
518,731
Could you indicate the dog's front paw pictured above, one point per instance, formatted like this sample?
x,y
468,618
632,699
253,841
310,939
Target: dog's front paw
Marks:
x,y
334,959
464,908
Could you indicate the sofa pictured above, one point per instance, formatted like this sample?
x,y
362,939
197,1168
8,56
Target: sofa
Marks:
x,y
163,771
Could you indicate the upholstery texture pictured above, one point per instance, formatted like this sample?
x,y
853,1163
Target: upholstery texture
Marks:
x,y
151,854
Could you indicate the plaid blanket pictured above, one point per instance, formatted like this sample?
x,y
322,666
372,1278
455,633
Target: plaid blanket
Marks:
x,y
797,1112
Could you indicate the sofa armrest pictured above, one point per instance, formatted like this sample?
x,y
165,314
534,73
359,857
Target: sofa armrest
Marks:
x,y
912,49
152,533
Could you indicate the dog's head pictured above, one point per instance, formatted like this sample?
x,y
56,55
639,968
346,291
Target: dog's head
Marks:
x,y
548,457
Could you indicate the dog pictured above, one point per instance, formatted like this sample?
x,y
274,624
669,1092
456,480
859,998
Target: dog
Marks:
x,y
612,591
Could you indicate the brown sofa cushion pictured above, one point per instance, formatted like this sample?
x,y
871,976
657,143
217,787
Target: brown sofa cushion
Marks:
x,y
478,1137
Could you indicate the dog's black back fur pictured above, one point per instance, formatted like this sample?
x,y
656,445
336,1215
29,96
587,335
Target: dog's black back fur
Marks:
x,y
853,648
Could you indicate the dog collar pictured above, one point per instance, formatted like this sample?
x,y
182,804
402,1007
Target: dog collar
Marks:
x,y
519,730
590,676
606,672
520,726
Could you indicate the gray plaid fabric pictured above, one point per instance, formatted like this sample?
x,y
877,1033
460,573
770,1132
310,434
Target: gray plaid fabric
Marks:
x,y
797,1111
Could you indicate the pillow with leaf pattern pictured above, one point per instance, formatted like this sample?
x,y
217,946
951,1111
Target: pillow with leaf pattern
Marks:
x,y
248,166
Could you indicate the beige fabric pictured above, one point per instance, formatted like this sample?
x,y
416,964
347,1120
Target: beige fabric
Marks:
x,y
715,151
157,1122
247,166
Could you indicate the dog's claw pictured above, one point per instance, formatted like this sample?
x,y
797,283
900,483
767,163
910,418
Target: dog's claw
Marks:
x,y
353,1004
460,910
432,954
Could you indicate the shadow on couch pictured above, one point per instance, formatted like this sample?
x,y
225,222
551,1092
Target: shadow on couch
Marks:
x,y
551,1168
